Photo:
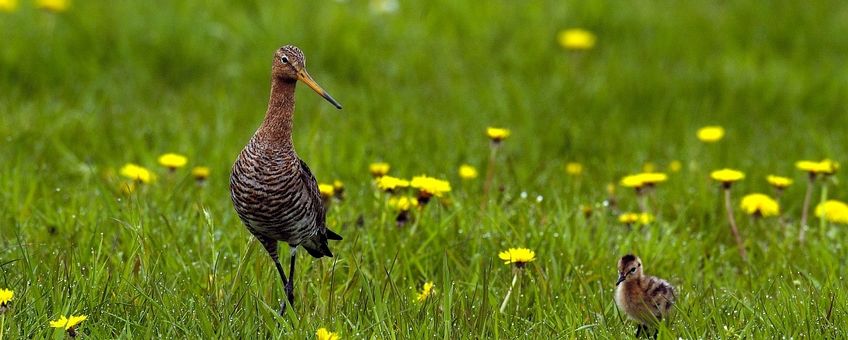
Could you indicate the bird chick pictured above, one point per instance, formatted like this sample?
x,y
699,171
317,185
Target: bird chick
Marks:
x,y
645,299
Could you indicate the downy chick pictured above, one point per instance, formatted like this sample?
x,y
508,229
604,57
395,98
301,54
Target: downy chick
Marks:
x,y
645,299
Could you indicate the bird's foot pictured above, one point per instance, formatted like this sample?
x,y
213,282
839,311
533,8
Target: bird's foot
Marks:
x,y
283,308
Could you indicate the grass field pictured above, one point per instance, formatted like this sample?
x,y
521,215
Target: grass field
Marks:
x,y
102,84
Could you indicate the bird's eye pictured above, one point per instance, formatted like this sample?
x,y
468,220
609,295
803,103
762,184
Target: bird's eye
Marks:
x,y
285,60
633,270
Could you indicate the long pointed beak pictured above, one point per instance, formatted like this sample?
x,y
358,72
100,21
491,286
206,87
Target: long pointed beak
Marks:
x,y
621,278
303,76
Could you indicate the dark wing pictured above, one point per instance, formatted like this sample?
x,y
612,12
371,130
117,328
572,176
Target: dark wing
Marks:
x,y
317,245
314,196
662,295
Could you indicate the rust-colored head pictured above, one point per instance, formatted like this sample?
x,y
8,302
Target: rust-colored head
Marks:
x,y
290,65
629,268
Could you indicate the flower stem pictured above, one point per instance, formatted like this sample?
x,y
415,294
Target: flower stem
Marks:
x,y
729,206
778,194
806,207
822,199
509,292
642,198
2,324
421,217
490,173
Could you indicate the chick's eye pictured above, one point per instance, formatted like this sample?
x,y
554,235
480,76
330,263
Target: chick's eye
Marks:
x,y
285,60
633,270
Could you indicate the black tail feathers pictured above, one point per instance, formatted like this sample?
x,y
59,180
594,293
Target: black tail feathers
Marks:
x,y
318,250
317,245
331,235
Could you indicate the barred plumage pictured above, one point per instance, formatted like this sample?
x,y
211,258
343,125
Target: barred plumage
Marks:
x,y
645,299
273,190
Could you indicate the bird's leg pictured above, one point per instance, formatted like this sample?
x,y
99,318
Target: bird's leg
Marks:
x,y
290,282
285,283
271,246
639,331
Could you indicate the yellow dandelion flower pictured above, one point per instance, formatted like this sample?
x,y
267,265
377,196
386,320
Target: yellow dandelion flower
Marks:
x,y
631,218
628,218
53,5
829,167
632,181
760,205
389,183
403,203
652,178
68,323
8,5
517,256
324,334
429,186
467,172
675,166
833,211
497,134
778,181
326,190
379,169
173,161
710,134
825,167
727,176
6,296
137,173
200,173
808,166
574,168
576,39
426,291
637,181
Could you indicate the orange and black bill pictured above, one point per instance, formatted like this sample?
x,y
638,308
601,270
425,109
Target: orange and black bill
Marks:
x,y
303,76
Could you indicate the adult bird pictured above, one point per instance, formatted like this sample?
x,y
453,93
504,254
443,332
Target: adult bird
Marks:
x,y
273,191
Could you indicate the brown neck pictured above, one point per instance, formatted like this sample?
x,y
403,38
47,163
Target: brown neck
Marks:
x,y
276,129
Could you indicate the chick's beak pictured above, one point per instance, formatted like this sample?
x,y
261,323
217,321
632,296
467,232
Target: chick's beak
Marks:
x,y
621,278
303,76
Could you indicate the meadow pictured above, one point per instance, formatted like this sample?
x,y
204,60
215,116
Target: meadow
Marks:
x,y
90,88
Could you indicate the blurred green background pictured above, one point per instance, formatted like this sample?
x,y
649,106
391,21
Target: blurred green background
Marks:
x,y
90,88
151,77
